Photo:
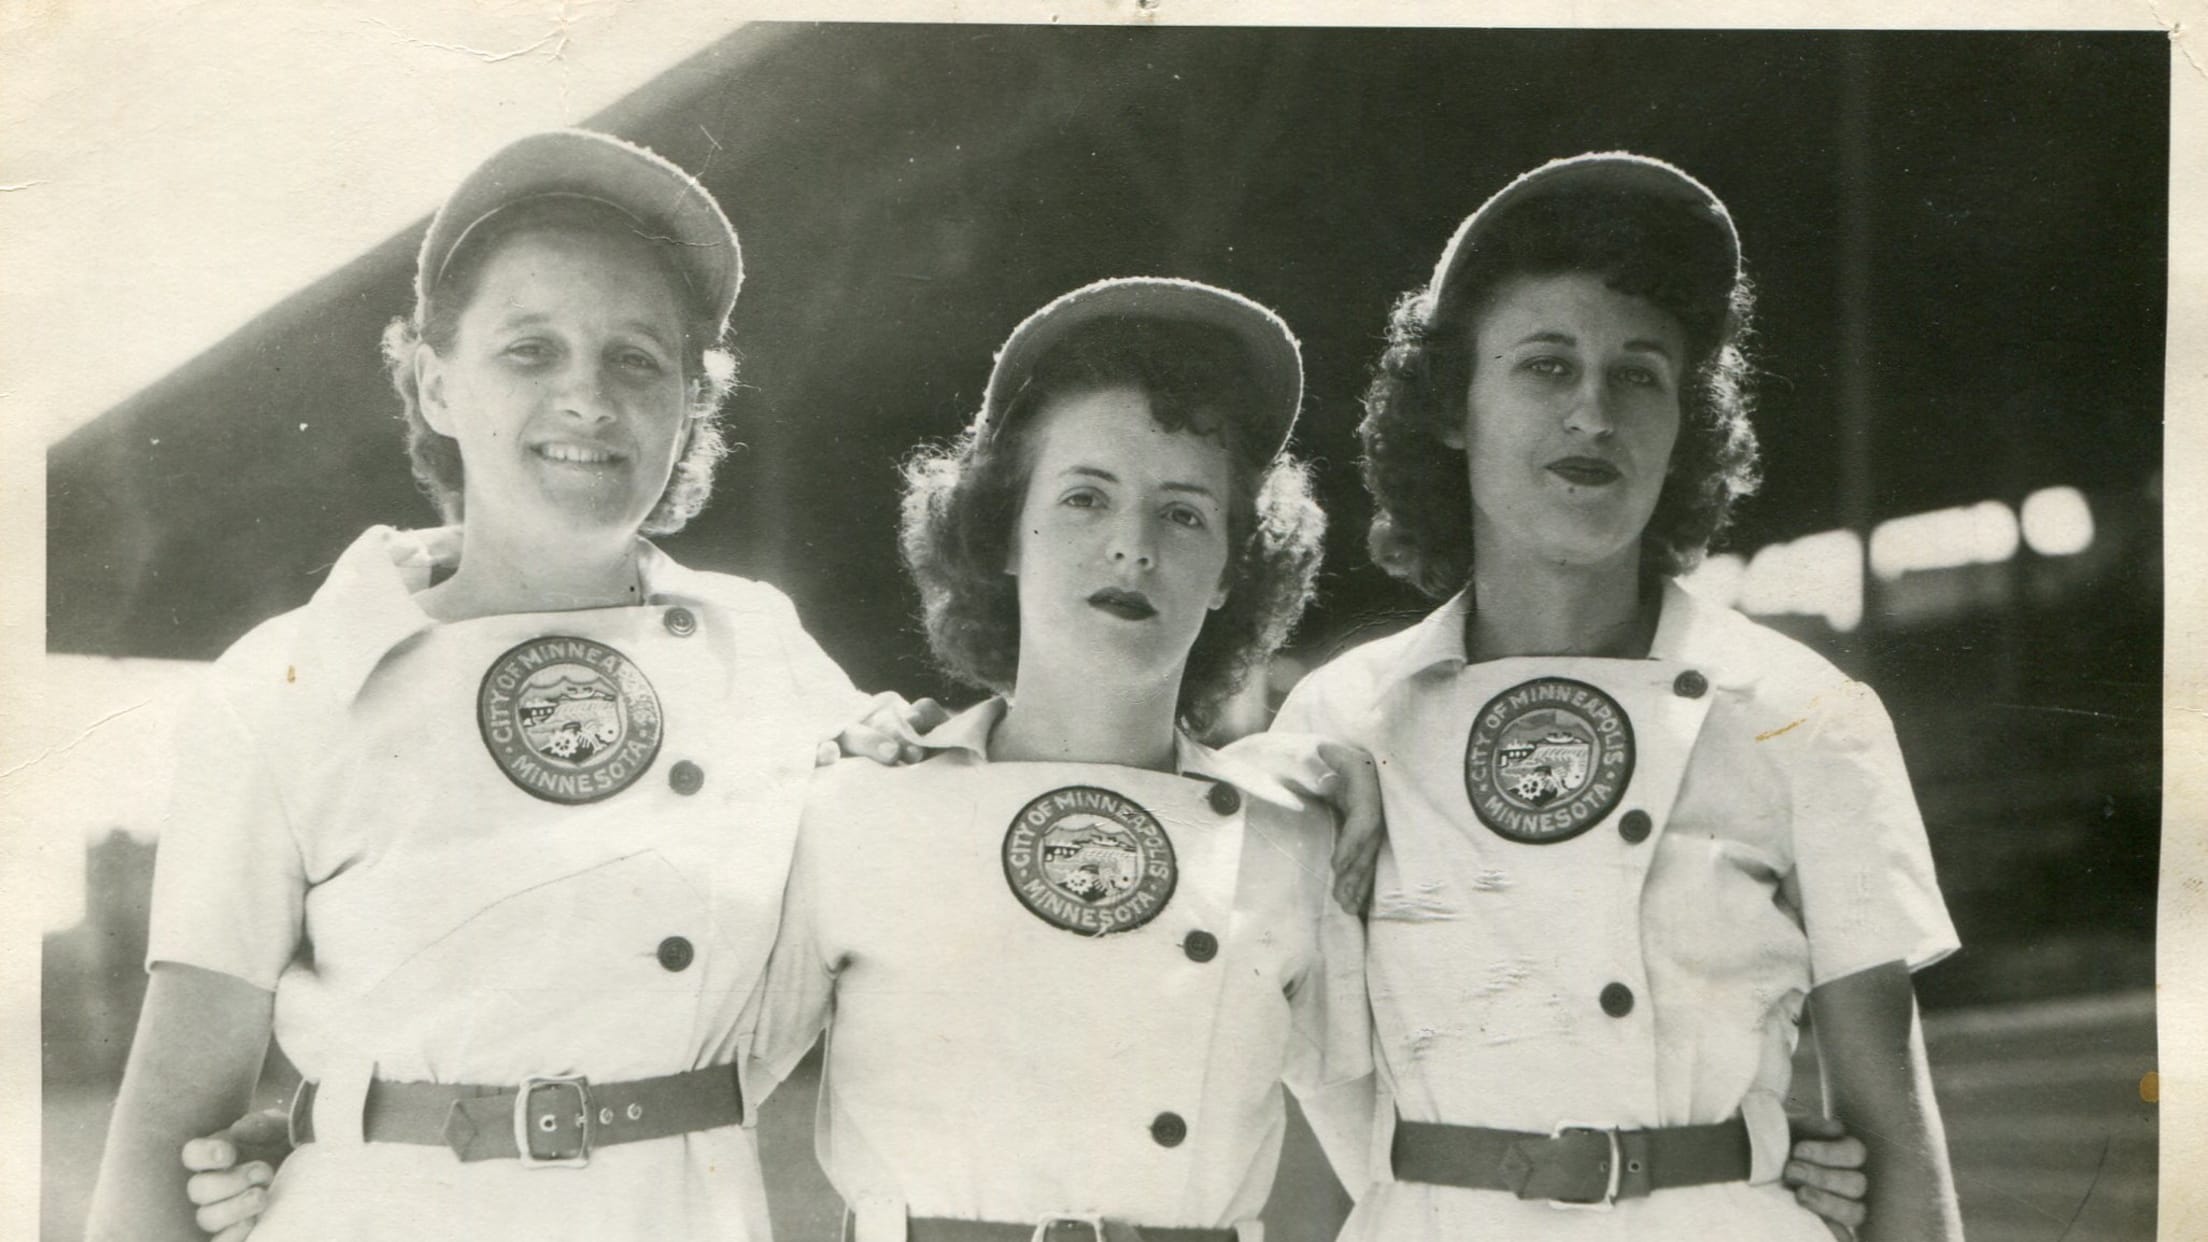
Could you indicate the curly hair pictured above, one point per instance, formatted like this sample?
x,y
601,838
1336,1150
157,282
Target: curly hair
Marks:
x,y
1640,246
962,501
708,364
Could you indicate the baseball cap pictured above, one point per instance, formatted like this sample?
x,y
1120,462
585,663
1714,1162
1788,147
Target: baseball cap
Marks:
x,y
665,201
1275,360
1611,172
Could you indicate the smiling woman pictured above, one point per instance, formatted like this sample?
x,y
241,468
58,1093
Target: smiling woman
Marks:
x,y
564,385
523,303
456,831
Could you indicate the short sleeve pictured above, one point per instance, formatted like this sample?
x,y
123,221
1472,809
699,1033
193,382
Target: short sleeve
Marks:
x,y
1305,709
1329,1064
1288,750
229,886
831,700
1291,762
1332,1021
1863,866
798,987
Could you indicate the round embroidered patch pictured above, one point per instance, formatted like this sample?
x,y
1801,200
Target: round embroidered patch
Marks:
x,y
568,719
1089,860
1547,759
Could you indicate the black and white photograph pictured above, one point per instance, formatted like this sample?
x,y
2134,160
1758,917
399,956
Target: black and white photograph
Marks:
x,y
1106,623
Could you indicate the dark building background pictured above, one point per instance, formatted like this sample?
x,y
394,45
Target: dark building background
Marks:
x,y
1958,240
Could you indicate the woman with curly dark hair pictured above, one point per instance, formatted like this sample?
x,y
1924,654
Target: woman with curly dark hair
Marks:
x,y
962,501
1113,944
1632,836
1641,247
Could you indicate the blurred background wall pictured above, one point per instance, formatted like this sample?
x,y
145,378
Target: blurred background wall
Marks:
x,y
1958,242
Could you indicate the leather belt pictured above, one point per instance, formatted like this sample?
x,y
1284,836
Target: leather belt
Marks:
x,y
1069,1227
1575,1166
544,1121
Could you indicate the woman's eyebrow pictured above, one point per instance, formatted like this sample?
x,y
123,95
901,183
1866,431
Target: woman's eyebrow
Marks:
x,y
1638,344
531,318
644,329
1098,472
1547,338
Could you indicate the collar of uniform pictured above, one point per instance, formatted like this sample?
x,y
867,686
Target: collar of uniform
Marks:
x,y
367,605
968,734
668,581
1688,630
1694,632
1439,639
968,731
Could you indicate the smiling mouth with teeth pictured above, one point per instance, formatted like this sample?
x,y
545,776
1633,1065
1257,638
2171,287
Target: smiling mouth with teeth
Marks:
x,y
575,454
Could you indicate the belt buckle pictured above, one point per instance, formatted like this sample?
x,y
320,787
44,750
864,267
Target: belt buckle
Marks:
x,y
527,1127
1609,1197
1092,1221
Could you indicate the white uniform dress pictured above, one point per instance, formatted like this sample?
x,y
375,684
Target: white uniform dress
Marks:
x,y
1061,988
449,851
1623,931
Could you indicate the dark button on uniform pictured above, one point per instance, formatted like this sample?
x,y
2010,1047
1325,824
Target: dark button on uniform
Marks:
x,y
686,778
1617,1000
676,954
1634,826
1169,1129
681,622
1225,798
1690,685
1201,946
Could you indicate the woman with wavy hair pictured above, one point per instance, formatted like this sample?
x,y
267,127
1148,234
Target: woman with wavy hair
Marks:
x,y
1066,962
458,832
1631,835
